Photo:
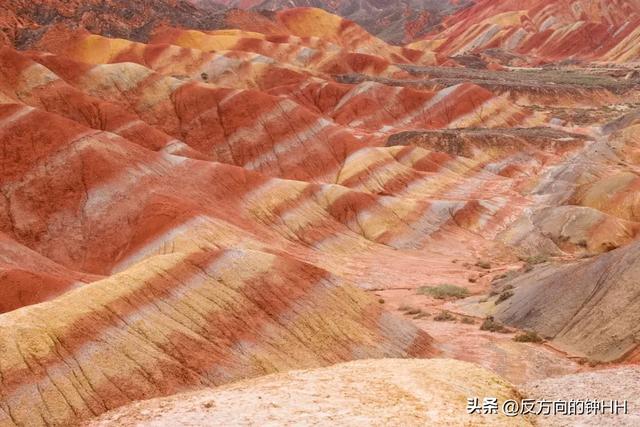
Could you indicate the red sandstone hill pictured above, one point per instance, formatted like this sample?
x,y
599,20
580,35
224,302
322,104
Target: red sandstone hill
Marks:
x,y
547,30
398,21
186,205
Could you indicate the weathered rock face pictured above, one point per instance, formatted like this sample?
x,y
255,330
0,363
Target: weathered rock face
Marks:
x,y
588,308
184,320
397,21
542,30
187,206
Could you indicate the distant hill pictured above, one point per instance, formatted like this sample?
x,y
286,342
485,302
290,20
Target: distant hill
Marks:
x,y
395,21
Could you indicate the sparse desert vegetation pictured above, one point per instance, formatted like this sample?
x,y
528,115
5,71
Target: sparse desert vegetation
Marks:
x,y
491,325
535,259
445,291
504,295
272,189
444,316
415,312
467,320
528,336
484,264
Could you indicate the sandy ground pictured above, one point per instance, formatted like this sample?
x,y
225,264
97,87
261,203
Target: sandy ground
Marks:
x,y
539,370
516,362
386,392
622,383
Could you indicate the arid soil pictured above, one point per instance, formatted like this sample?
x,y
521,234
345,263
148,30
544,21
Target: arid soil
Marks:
x,y
378,393
619,384
206,201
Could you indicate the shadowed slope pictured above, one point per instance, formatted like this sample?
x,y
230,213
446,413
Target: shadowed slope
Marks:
x,y
588,308
27,278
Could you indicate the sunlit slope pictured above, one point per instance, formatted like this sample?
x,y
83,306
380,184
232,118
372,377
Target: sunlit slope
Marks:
x,y
389,392
179,321
547,30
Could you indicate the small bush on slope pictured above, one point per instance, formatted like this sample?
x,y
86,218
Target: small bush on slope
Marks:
x,y
484,264
528,336
444,316
444,291
504,296
491,325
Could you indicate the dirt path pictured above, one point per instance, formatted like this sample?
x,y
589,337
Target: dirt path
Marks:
x,y
462,339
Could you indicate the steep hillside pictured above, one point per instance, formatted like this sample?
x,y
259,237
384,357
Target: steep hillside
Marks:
x,y
543,30
22,21
398,21
194,196
184,320
587,308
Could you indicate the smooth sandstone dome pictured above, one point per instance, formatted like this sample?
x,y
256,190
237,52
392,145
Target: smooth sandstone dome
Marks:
x,y
386,392
191,198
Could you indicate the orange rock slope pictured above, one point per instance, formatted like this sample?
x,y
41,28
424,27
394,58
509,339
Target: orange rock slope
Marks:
x,y
395,21
205,205
549,30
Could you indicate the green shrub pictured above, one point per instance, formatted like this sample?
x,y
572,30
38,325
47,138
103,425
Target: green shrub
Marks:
x,y
489,324
528,336
444,291
444,316
504,296
536,259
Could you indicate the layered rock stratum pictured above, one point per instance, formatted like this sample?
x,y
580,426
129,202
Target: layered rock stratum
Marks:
x,y
194,197
395,21
548,30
